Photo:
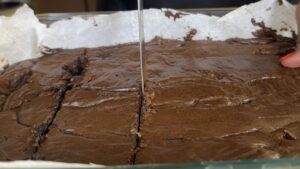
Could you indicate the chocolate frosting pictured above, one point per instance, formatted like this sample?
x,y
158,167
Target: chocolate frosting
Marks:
x,y
205,100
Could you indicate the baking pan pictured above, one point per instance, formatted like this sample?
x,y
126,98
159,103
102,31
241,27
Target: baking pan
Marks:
x,y
293,163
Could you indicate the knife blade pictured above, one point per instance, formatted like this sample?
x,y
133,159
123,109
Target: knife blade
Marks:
x,y
142,44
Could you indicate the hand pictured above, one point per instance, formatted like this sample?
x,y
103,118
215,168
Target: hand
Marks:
x,y
291,60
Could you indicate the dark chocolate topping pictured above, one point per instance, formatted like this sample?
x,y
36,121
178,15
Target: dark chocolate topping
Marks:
x,y
204,101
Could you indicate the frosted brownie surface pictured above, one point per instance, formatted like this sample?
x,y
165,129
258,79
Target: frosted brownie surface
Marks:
x,y
204,101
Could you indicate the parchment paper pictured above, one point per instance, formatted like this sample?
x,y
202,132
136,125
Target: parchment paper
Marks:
x,y
22,36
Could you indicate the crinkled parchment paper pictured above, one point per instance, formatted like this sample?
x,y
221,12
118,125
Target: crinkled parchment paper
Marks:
x,y
22,36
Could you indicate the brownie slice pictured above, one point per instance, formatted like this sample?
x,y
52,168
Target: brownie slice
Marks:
x,y
98,120
30,92
218,101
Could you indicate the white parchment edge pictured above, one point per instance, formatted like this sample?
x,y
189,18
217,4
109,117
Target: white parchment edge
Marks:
x,y
22,36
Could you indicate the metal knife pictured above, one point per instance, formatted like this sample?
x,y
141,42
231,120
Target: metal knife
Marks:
x,y
142,44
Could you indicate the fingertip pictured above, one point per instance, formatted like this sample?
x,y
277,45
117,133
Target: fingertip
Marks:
x,y
286,56
285,62
291,60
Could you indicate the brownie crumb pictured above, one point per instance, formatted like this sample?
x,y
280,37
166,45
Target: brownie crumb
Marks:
x,y
209,38
175,16
264,32
271,34
190,35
